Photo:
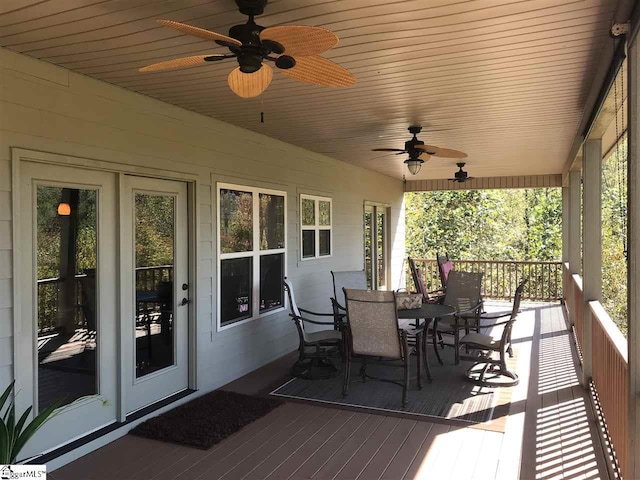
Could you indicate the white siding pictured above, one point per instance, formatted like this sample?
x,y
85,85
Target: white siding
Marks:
x,y
47,108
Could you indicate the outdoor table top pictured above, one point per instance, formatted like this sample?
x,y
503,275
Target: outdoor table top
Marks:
x,y
428,310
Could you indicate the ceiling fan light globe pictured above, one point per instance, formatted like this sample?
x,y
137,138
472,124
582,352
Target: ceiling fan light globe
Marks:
x,y
414,165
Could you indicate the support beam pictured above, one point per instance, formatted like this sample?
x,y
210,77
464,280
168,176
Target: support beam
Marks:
x,y
591,244
565,223
633,279
575,235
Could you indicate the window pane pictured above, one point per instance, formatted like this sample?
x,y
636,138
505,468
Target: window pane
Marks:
x,y
308,212
235,289
236,221
66,244
271,221
271,277
308,243
325,212
154,316
382,269
325,242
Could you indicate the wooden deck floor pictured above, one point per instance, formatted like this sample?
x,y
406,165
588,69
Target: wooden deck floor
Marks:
x,y
549,434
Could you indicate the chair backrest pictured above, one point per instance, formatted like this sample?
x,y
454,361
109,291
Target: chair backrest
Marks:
x,y
506,333
292,300
463,290
373,323
445,265
349,279
417,277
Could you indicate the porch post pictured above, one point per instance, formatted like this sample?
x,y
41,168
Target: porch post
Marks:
x,y
633,259
565,223
592,244
574,222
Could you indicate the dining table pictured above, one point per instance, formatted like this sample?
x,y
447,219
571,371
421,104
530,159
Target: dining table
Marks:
x,y
427,312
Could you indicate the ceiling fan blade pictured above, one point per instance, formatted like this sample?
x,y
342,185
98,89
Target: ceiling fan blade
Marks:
x,y
441,152
320,71
183,62
198,32
248,85
401,150
301,40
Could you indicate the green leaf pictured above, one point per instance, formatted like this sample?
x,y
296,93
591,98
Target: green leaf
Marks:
x,y
6,394
5,452
32,428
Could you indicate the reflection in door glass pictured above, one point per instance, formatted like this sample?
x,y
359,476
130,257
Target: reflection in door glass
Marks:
x,y
154,254
368,248
66,249
382,272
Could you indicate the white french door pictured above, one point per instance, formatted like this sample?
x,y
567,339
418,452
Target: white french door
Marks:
x,y
154,290
66,343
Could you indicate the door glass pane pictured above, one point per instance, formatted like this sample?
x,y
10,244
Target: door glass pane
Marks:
x,y
325,242
325,212
368,264
66,243
308,212
308,243
154,254
236,280
236,221
271,221
271,278
380,234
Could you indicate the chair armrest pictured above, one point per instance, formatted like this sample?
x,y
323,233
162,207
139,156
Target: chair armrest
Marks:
x,y
494,315
307,320
315,313
471,312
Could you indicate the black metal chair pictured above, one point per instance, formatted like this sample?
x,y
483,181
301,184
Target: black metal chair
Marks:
x,y
374,334
485,346
351,279
464,294
434,296
316,348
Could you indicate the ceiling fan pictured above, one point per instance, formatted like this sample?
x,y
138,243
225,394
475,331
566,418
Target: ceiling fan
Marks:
x,y
416,149
293,49
461,176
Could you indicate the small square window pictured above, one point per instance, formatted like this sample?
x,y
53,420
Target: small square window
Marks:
x,y
308,243
271,221
236,221
271,278
324,208
236,282
308,212
325,242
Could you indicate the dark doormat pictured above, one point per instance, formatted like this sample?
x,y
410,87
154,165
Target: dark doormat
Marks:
x,y
207,420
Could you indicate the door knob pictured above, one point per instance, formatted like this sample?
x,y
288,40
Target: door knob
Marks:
x,y
185,286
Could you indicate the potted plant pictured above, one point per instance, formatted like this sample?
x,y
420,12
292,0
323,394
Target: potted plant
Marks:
x,y
15,434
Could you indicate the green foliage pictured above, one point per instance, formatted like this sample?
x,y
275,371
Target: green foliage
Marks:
x,y
614,231
15,434
154,230
518,224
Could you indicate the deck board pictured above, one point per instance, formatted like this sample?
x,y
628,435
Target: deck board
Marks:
x,y
550,432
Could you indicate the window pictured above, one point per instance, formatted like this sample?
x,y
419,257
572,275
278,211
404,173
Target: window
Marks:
x,y
251,252
315,225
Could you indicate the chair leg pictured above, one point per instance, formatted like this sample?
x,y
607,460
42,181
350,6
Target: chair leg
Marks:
x,y
405,385
435,346
363,369
419,359
456,342
347,372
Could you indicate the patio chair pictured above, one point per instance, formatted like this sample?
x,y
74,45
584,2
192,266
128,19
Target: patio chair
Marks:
x,y
374,334
445,265
317,348
485,347
350,279
464,294
435,296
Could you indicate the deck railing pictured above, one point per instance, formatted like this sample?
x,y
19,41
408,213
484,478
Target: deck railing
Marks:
x,y
609,371
610,379
501,277
147,279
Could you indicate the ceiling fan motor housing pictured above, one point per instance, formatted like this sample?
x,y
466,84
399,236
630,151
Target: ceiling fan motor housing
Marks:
x,y
251,7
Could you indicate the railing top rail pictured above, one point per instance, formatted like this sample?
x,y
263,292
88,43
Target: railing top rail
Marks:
x,y
610,329
155,267
577,279
527,262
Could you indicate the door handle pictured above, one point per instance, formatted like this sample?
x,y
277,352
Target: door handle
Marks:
x,y
184,301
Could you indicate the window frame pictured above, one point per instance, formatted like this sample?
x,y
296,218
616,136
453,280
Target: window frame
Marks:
x,y
316,228
255,254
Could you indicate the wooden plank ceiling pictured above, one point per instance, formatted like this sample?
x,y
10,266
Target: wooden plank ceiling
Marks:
x,y
503,80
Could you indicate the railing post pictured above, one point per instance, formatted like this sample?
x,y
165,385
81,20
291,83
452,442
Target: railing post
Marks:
x,y
633,273
575,179
592,245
